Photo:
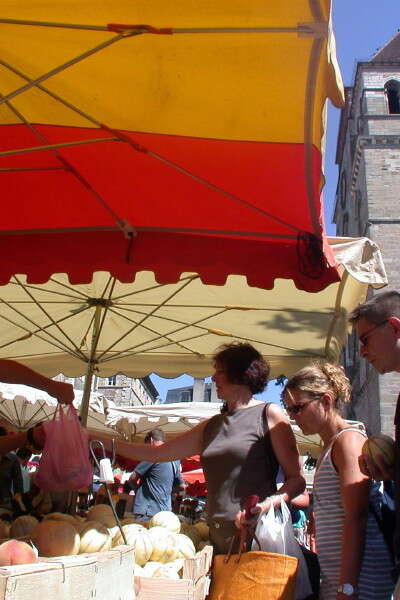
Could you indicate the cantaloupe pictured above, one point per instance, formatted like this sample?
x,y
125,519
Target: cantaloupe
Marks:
x,y
138,571
203,529
165,546
23,526
95,537
14,552
167,519
57,516
102,513
56,538
166,572
185,545
138,537
203,544
5,527
150,567
193,533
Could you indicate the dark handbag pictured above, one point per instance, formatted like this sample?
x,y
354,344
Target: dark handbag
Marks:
x,y
314,571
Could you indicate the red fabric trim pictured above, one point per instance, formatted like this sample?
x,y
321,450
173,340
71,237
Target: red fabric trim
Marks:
x,y
220,185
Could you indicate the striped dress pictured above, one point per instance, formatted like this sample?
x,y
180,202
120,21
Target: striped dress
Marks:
x,y
375,581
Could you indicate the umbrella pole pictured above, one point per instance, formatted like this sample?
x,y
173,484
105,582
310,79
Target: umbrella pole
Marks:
x,y
90,369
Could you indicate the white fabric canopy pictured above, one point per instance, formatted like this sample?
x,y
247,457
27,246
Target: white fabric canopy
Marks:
x,y
22,407
143,327
134,422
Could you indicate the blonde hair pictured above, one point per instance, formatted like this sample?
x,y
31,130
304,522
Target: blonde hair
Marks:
x,y
322,378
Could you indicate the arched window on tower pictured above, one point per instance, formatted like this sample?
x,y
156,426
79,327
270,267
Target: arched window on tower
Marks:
x,y
392,89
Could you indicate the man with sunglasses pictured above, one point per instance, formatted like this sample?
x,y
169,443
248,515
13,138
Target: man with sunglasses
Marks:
x,y
377,323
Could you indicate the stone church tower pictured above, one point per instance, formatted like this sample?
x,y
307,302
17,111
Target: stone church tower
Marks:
x,y
368,204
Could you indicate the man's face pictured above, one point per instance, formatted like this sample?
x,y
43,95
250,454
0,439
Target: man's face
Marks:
x,y
380,343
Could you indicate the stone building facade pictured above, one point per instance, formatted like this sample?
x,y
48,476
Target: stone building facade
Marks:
x,y
368,204
123,390
200,391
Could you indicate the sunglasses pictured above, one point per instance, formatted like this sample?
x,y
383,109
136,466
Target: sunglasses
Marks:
x,y
296,409
365,336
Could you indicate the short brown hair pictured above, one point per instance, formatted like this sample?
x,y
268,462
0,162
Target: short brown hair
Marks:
x,y
155,434
378,308
244,365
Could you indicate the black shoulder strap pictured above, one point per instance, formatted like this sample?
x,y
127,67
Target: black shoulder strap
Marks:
x,y
387,535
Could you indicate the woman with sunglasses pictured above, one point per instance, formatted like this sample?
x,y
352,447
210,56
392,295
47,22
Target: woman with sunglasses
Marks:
x,y
354,560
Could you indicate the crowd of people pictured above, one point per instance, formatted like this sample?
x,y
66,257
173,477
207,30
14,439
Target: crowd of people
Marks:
x,y
243,448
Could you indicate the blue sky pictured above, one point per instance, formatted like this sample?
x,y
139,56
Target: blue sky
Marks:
x,y
361,28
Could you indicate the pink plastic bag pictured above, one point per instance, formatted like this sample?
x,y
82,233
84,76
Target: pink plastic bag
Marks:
x,y
65,463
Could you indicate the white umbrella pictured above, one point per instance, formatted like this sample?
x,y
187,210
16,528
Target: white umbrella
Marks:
x,y
22,407
174,419
136,328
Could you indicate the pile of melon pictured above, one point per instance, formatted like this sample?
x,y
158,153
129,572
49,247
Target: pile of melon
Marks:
x,y
160,546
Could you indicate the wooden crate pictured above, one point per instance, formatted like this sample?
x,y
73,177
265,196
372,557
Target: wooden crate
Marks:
x,y
113,575
97,576
56,580
193,586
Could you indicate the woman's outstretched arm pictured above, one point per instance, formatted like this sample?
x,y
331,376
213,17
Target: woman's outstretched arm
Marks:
x,y
184,445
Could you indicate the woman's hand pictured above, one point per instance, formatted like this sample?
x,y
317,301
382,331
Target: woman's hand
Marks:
x,y
63,391
259,509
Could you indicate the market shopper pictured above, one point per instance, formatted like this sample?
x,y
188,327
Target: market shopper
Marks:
x,y
354,559
377,324
240,448
154,482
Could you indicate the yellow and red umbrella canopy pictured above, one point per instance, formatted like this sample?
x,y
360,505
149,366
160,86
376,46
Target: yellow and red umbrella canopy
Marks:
x,y
166,136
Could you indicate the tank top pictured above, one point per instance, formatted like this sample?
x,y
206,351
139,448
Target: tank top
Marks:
x,y
374,581
238,460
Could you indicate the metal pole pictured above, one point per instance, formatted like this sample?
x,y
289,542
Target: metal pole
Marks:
x,y
90,368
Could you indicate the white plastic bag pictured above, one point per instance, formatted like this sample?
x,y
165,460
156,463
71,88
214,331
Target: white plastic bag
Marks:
x,y
275,533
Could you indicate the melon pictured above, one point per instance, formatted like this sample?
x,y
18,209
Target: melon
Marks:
x,y
177,564
113,531
23,526
166,572
138,537
4,529
203,544
56,538
102,513
167,519
203,529
193,533
382,445
185,545
95,537
57,516
129,520
138,571
165,546
14,552
150,567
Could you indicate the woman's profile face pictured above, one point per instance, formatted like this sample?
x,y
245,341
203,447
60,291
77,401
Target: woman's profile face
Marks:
x,y
306,409
221,380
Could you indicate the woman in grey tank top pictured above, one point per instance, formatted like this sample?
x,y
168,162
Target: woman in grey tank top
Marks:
x,y
240,448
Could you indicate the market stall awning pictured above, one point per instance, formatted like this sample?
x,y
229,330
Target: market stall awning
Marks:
x,y
174,419
22,407
165,136
143,327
